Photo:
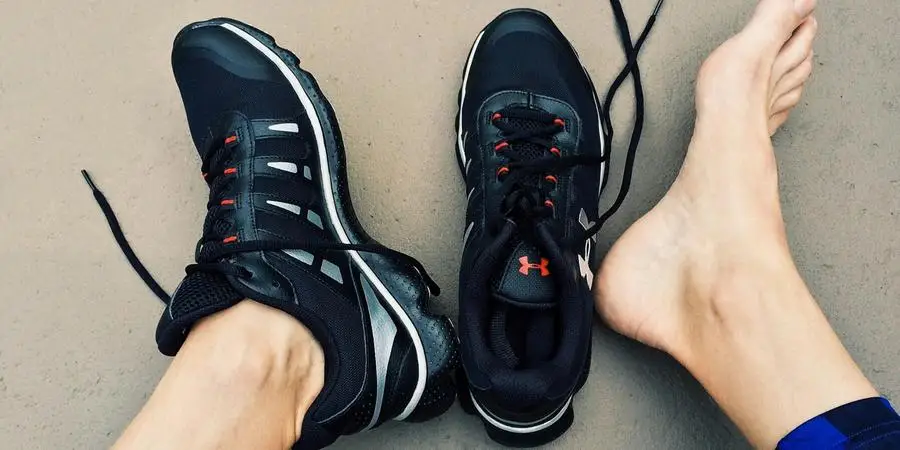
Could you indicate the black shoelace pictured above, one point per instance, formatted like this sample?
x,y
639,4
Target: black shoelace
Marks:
x,y
526,193
521,198
214,246
529,176
632,50
532,159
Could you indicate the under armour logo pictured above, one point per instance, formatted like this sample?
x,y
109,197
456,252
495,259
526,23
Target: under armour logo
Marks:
x,y
527,266
584,267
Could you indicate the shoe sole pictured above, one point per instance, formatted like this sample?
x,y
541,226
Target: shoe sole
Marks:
x,y
432,335
559,423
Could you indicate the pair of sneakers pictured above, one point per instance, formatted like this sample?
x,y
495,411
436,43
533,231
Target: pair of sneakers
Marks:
x,y
281,230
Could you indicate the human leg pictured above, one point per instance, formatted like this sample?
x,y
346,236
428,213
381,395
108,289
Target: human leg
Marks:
x,y
244,378
725,298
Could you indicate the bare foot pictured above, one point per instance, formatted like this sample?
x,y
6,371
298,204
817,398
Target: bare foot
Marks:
x,y
724,204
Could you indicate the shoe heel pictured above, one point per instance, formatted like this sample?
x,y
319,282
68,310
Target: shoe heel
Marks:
x,y
508,438
535,439
441,345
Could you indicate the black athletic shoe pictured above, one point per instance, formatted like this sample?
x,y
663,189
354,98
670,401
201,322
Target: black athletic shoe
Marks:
x,y
532,147
281,230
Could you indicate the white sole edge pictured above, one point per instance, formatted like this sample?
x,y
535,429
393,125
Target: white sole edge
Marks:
x,y
335,219
521,430
462,98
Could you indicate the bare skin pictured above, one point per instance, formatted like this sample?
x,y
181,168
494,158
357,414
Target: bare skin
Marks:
x,y
244,379
725,298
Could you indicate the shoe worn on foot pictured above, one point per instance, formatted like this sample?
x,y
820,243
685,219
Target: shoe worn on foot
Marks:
x,y
281,231
531,148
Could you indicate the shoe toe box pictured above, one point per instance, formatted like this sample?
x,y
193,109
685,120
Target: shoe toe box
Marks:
x,y
218,70
524,50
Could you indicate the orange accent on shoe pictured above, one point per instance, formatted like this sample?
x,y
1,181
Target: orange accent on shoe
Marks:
x,y
496,116
230,170
229,239
551,179
227,202
527,266
501,145
559,122
555,151
230,139
502,171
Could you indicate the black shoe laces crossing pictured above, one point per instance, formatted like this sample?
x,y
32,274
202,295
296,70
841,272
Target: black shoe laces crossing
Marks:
x,y
524,199
529,177
527,145
215,245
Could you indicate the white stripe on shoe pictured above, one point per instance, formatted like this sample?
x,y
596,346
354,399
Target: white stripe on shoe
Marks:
x,y
539,425
462,97
331,207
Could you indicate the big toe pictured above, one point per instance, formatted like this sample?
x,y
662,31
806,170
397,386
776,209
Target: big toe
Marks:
x,y
774,22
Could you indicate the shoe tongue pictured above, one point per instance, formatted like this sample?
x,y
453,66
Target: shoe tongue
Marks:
x,y
525,279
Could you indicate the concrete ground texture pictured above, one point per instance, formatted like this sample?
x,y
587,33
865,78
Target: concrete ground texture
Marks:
x,y
87,84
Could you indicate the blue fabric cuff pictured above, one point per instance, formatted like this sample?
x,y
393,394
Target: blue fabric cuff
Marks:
x,y
864,424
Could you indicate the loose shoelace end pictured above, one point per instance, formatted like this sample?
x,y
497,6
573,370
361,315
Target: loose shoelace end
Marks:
x,y
659,4
88,180
432,286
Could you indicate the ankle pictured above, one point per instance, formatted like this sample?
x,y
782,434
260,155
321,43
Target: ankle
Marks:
x,y
734,294
255,348
249,367
258,342
758,341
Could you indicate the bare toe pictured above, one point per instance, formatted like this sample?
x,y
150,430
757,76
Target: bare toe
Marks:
x,y
787,101
775,21
792,80
776,121
796,50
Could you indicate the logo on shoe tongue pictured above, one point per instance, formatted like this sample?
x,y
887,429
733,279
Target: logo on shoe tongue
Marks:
x,y
527,266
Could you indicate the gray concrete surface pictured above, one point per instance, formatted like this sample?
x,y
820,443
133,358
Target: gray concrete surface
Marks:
x,y
88,84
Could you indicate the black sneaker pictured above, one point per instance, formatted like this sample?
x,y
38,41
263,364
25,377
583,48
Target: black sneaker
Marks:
x,y
532,147
281,230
